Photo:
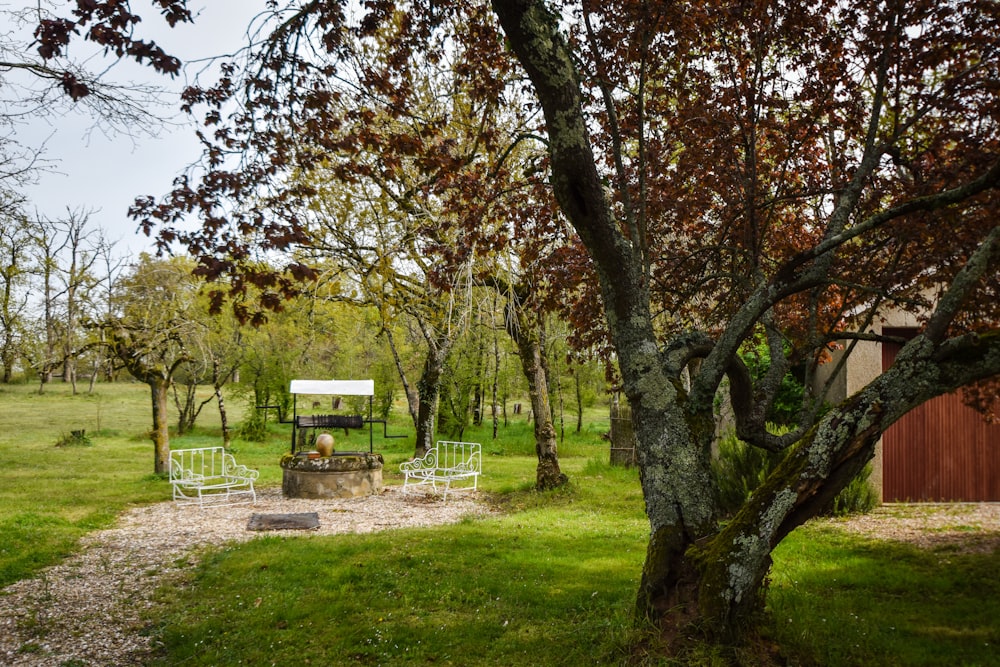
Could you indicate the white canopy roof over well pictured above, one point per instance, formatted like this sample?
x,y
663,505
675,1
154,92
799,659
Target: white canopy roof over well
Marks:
x,y
336,387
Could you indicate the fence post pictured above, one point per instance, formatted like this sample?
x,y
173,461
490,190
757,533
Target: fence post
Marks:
x,y
622,435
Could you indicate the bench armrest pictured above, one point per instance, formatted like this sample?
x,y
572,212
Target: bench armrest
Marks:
x,y
426,462
242,472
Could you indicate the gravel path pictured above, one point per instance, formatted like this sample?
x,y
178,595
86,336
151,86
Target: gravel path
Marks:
x,y
90,609
956,527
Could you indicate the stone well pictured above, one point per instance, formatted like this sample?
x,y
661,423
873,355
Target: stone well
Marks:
x,y
342,475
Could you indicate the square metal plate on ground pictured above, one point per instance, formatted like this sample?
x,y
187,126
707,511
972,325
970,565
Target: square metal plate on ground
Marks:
x,y
302,521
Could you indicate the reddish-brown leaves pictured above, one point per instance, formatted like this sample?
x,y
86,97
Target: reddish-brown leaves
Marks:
x,y
109,23
727,134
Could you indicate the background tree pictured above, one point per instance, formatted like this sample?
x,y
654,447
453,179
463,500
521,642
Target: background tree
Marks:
x,y
47,354
82,249
272,358
63,252
525,325
402,178
383,263
225,355
109,270
15,242
149,335
215,347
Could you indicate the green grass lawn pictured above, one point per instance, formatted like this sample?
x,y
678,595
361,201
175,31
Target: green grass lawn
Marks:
x,y
548,583
839,599
548,580
50,496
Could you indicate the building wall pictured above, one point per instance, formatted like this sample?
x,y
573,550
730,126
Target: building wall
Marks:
x,y
864,365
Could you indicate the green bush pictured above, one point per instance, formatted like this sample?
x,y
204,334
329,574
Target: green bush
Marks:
x,y
254,426
858,497
740,468
784,410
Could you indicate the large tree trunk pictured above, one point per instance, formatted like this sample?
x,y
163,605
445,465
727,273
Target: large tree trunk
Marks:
x,y
694,574
160,434
674,454
674,438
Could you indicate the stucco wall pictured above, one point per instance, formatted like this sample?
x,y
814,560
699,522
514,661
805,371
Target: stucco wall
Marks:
x,y
863,366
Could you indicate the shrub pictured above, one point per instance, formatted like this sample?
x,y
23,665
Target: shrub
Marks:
x,y
254,427
784,410
858,497
739,469
74,439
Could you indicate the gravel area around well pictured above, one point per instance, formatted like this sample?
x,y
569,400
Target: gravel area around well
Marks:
x,y
91,609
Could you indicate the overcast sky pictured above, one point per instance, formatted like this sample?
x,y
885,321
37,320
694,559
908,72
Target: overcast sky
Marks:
x,y
106,173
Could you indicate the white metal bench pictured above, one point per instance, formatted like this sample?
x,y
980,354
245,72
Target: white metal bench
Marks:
x,y
445,464
210,476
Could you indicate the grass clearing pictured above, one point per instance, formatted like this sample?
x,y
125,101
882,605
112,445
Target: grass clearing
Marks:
x,y
505,590
548,581
51,496
839,599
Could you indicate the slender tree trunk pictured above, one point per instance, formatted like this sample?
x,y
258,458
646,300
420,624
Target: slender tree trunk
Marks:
x,y
496,381
217,382
160,434
95,369
9,273
185,401
579,401
525,333
412,397
428,392
478,388
561,405
69,338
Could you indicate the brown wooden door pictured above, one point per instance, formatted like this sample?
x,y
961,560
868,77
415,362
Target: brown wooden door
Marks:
x,y
941,451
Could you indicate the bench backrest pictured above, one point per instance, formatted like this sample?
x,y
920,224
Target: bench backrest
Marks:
x,y
452,454
201,462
